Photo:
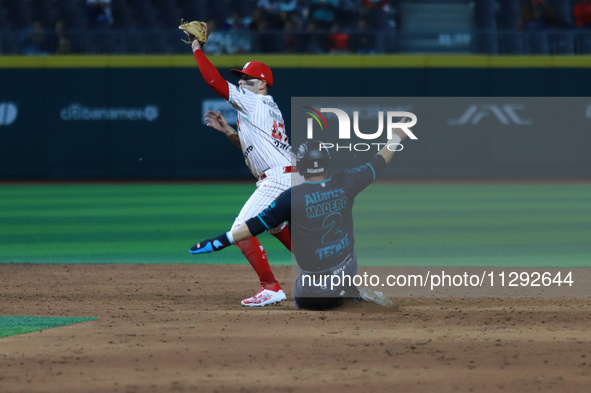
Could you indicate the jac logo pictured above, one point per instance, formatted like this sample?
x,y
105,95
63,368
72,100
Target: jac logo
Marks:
x,y
504,114
345,127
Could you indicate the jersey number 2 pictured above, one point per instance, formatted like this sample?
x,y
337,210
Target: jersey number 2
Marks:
x,y
279,132
333,223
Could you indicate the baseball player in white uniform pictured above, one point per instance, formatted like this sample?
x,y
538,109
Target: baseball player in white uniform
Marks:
x,y
262,138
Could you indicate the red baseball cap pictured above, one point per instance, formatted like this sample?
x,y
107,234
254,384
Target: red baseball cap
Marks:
x,y
256,69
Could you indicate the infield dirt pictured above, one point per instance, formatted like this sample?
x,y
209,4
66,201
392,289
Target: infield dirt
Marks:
x,y
176,328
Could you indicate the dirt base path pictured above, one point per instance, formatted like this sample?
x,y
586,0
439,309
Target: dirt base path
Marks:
x,y
180,328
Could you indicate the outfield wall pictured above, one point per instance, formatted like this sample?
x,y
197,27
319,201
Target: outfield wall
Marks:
x,y
134,117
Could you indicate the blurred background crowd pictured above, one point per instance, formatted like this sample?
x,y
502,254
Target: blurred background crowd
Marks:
x,y
38,27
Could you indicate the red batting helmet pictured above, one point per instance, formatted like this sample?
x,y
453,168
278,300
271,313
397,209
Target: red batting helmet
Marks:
x,y
256,69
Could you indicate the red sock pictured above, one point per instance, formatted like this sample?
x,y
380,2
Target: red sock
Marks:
x,y
284,237
256,255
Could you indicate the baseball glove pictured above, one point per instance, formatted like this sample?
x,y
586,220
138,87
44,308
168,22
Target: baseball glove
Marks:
x,y
195,30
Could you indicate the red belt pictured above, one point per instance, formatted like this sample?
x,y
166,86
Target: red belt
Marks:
x,y
286,169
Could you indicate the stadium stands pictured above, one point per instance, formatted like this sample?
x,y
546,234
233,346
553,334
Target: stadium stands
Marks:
x,y
312,26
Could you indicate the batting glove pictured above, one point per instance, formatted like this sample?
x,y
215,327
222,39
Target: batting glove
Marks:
x,y
211,245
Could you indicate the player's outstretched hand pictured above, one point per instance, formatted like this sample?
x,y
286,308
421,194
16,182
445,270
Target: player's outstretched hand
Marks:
x,y
217,122
399,132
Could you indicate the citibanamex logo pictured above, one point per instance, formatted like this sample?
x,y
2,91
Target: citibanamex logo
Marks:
x,y
8,113
392,119
79,112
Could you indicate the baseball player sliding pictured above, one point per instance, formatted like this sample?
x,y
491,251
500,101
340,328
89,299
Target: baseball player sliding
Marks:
x,y
262,137
320,218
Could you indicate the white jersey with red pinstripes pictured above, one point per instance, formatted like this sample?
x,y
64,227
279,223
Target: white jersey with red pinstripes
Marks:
x,y
261,129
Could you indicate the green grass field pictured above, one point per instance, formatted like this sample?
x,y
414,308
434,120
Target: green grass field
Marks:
x,y
10,326
529,225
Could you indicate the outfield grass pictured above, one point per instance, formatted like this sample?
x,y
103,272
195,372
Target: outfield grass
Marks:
x,y
10,326
545,225
531,225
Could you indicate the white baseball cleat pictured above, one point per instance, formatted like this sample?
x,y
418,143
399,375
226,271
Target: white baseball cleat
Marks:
x,y
370,295
264,297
